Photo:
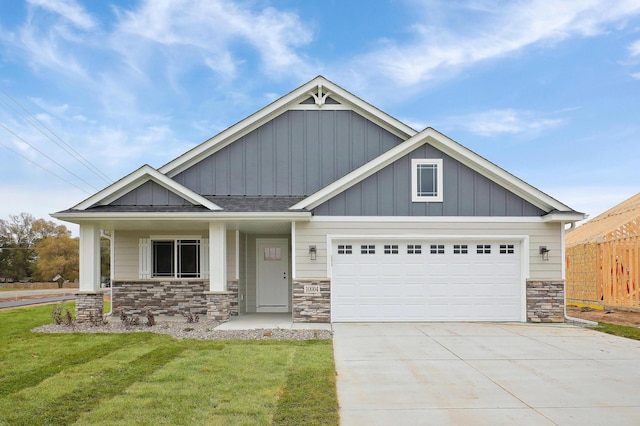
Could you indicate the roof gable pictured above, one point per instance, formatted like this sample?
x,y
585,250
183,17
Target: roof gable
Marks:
x,y
325,95
455,151
116,193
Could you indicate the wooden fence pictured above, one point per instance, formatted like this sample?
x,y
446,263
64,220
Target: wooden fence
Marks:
x,y
606,273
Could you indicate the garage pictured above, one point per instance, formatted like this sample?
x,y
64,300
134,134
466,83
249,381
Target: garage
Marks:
x,y
426,280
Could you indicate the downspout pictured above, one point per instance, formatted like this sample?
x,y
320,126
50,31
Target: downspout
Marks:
x,y
564,278
109,237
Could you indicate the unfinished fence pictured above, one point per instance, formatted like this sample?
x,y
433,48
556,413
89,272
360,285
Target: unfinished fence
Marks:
x,y
604,273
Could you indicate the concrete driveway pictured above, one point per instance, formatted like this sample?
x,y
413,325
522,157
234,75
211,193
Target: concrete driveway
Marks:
x,y
485,374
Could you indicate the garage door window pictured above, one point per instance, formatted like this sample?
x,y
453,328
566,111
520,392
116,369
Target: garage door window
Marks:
x,y
367,249
390,249
437,249
414,248
460,249
483,249
345,249
506,249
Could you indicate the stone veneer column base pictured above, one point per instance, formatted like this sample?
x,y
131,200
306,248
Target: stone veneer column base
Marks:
x,y
88,305
312,307
545,301
219,305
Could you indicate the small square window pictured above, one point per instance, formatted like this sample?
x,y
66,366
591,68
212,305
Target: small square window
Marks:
x,y
368,249
460,249
426,180
414,249
507,249
345,249
390,249
483,249
436,249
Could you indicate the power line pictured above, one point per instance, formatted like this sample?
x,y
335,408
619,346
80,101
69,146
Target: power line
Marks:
x,y
43,168
68,148
45,155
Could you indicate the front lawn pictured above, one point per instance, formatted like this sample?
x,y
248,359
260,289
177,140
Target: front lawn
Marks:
x,y
619,330
147,378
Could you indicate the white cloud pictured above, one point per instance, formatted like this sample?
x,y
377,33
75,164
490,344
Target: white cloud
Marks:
x,y
501,121
436,51
635,75
68,9
634,48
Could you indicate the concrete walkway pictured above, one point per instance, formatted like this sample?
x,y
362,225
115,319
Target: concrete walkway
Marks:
x,y
485,374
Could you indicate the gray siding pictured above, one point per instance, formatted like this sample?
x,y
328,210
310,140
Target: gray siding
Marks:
x,y
296,153
150,194
388,193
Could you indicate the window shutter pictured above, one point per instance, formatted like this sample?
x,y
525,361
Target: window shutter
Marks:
x,y
204,258
144,258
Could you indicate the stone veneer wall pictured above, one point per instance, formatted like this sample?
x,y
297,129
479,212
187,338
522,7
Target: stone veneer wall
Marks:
x,y
170,297
312,307
545,301
88,305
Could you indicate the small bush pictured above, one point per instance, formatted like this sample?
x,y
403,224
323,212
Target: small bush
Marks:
x,y
191,318
98,319
62,315
129,320
151,320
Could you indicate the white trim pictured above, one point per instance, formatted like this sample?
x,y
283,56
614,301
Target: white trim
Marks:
x,y
289,101
82,216
137,178
324,107
449,147
564,217
430,219
237,271
415,162
203,267
522,239
89,263
294,275
217,256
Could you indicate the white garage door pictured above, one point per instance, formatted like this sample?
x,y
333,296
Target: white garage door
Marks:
x,y
405,280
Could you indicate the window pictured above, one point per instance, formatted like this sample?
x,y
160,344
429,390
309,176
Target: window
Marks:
x,y
344,249
414,249
175,258
483,249
426,180
460,249
437,249
506,249
367,249
390,249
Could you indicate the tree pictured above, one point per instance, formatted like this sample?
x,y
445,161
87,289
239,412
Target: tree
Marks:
x,y
18,238
57,255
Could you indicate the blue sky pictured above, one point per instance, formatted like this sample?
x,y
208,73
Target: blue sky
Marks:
x,y
550,91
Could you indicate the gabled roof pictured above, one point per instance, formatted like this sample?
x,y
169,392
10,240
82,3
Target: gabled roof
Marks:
x,y
558,210
133,180
320,90
620,221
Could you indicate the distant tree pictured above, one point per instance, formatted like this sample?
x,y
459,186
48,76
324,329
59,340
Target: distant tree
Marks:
x,y
18,238
57,255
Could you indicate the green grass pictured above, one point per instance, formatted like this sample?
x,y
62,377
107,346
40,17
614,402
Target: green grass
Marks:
x,y
146,378
619,330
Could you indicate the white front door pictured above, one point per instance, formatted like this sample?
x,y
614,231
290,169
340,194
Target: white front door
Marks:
x,y
272,275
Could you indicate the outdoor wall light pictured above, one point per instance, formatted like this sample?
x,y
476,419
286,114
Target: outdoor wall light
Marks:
x,y
312,252
544,252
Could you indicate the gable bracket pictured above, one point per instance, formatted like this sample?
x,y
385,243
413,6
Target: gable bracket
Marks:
x,y
320,98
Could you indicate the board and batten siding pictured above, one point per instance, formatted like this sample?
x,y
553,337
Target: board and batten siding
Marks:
x,y
540,234
127,252
295,154
388,193
150,194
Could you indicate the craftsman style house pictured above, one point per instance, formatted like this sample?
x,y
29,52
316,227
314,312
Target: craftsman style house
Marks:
x,y
324,206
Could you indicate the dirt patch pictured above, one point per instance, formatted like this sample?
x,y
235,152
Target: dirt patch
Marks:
x,y
611,316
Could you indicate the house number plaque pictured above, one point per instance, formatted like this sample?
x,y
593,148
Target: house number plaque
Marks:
x,y
311,288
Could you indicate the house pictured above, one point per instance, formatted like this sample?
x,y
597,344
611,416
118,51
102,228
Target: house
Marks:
x,y
603,259
324,206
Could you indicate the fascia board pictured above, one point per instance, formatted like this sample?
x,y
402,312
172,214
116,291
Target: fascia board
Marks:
x,y
449,147
568,217
83,216
137,178
289,101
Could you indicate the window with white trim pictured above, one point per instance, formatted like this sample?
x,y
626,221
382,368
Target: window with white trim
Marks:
x,y
166,256
426,180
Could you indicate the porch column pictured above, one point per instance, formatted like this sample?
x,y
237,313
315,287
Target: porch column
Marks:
x,y
217,256
89,257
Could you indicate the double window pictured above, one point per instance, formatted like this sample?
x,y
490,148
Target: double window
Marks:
x,y
175,258
426,180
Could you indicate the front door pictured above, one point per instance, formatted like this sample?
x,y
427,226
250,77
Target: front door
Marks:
x,y
272,275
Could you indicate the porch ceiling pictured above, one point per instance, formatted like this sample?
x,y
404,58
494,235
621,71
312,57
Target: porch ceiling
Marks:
x,y
246,226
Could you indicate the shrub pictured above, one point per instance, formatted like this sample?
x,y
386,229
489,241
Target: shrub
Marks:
x,y
151,320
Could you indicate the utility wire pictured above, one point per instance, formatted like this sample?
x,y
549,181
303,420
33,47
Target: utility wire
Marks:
x,y
43,168
60,165
68,148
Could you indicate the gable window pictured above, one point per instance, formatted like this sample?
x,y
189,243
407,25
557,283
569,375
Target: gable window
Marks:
x,y
426,180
